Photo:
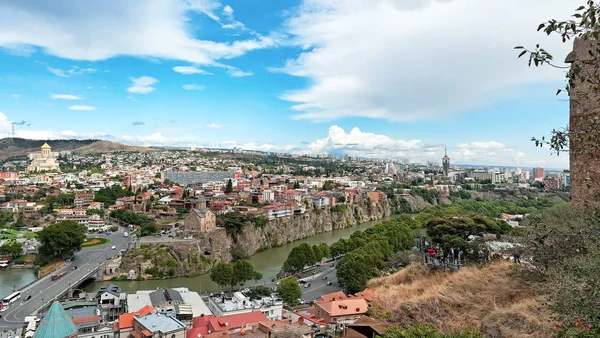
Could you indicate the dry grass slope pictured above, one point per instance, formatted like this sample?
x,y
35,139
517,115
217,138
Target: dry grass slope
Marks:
x,y
487,298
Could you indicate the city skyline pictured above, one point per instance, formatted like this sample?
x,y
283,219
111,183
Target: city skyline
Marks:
x,y
282,76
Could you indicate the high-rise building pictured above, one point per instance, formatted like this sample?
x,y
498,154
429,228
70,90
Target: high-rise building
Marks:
x,y
446,162
538,173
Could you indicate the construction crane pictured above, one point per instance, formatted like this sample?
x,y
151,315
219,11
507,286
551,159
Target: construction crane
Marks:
x,y
14,128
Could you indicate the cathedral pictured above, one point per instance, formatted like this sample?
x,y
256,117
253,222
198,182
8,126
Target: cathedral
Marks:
x,y
44,161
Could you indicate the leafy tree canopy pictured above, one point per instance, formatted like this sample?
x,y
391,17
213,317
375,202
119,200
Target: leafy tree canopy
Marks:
x,y
61,240
289,290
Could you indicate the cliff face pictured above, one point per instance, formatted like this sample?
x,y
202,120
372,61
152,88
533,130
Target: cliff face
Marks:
x,y
285,230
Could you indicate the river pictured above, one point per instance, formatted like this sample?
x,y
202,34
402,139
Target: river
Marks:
x,y
268,262
14,279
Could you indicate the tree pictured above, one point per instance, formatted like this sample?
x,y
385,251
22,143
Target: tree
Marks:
x,y
229,187
222,274
234,221
328,185
300,256
243,271
355,270
95,212
61,240
13,249
296,185
148,229
289,290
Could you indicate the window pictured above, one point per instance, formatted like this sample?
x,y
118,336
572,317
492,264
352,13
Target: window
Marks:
x,y
172,336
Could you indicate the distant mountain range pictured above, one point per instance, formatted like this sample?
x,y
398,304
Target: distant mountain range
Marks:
x,y
10,147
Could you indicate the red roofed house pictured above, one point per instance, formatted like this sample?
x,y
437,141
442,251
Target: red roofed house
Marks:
x,y
239,321
338,295
345,311
125,323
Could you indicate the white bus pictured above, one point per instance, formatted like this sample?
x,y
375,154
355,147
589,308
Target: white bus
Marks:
x,y
11,298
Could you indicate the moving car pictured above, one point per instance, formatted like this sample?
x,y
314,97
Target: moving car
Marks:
x,y
75,267
28,298
113,247
307,285
4,308
329,283
325,278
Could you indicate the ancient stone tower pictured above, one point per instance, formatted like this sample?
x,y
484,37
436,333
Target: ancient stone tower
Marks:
x,y
584,121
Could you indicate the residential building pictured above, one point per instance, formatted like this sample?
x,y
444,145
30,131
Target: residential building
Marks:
x,y
44,161
551,183
186,178
87,318
200,220
237,303
113,302
168,299
364,327
278,211
83,200
268,195
158,325
321,201
124,325
204,326
341,312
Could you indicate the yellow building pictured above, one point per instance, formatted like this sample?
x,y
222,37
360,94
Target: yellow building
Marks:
x,y
44,161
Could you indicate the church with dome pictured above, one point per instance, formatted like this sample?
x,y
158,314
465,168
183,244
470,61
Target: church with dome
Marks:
x,y
45,160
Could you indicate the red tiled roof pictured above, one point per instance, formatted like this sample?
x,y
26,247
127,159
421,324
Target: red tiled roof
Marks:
x,y
236,321
126,319
338,295
350,306
87,319
312,318
200,326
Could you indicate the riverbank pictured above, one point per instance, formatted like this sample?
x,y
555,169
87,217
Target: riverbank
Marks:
x,y
268,262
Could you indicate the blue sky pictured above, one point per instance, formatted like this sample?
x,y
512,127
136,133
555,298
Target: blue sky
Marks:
x,y
378,78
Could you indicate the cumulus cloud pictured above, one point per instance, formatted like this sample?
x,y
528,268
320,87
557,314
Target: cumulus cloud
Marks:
x,y
142,85
138,123
66,97
82,108
214,126
409,60
187,70
95,30
193,87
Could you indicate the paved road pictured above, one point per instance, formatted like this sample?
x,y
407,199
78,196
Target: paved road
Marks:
x,y
45,289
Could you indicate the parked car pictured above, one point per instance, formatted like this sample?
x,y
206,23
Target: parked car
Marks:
x,y
325,278
332,265
75,267
4,308
302,281
329,283
307,285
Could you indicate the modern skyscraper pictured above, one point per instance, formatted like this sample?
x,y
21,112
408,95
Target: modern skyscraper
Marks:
x,y
446,162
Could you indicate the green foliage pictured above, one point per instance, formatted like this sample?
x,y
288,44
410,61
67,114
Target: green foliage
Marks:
x,y
328,185
61,240
229,187
108,196
155,272
339,208
12,248
60,200
259,291
95,212
464,195
296,185
367,252
565,250
425,331
5,217
233,221
428,195
130,217
148,229
300,257
222,274
289,290
233,274
260,221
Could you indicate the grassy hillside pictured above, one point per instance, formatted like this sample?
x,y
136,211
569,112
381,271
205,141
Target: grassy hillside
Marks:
x,y
486,298
11,147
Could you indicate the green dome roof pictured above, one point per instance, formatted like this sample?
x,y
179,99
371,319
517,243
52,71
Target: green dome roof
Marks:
x,y
56,324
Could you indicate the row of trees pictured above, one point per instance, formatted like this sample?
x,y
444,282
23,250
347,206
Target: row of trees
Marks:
x,y
232,274
109,195
147,227
367,252
305,255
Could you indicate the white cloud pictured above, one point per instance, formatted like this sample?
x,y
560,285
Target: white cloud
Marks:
x,y
142,85
227,10
187,70
234,72
16,96
96,30
82,107
214,126
73,71
193,87
66,97
408,60
90,87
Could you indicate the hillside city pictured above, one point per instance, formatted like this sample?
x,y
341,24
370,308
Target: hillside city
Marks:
x,y
299,169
